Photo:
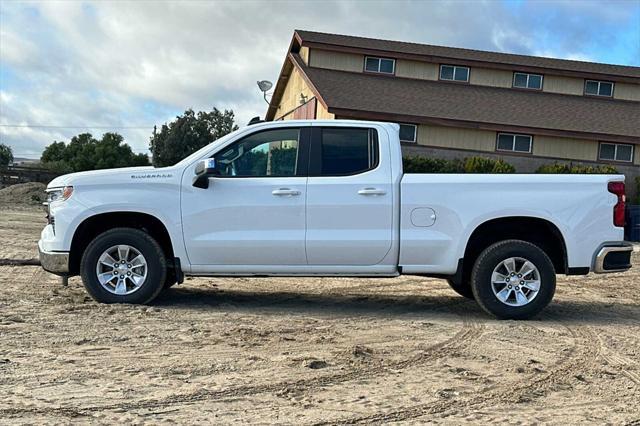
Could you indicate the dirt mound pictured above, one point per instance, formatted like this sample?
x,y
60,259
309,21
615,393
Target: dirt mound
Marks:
x,y
23,193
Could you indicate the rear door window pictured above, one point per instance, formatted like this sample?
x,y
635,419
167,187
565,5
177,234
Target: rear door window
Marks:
x,y
344,151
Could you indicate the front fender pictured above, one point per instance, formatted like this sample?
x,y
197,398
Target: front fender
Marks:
x,y
161,201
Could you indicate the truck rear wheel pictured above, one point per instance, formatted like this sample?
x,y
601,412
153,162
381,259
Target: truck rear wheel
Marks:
x,y
513,279
123,265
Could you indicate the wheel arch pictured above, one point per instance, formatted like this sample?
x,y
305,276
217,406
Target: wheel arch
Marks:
x,y
539,231
94,225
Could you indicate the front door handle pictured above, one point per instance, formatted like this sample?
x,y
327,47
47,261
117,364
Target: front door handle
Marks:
x,y
372,191
285,192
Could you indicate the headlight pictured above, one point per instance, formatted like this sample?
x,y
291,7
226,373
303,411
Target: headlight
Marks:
x,y
59,194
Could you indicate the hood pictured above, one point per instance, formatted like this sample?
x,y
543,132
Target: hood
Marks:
x,y
126,174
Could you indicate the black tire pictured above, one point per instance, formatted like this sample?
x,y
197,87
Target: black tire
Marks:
x,y
462,288
491,257
170,281
146,245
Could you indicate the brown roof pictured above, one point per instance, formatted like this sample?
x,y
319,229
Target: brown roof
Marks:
x,y
430,52
396,99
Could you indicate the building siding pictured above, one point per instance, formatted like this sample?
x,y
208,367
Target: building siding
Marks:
x,y
626,91
291,96
566,85
336,60
323,114
569,148
304,54
415,69
484,141
453,137
490,77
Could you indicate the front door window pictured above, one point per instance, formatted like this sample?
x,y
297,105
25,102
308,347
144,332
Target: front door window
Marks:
x,y
269,153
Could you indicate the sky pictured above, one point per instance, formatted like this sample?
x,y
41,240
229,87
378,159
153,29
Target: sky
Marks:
x,y
68,67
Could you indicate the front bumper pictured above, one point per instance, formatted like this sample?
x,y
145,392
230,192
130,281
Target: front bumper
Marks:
x,y
54,262
613,258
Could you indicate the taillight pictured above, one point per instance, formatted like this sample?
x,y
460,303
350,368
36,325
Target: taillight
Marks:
x,y
617,188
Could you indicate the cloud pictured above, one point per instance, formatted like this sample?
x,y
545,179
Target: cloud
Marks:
x,y
137,64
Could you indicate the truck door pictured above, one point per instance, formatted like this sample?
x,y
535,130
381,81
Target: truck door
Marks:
x,y
253,213
349,198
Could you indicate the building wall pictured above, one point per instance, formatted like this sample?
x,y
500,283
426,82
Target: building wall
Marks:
x,y
291,96
304,54
482,76
415,69
453,137
489,77
336,60
484,141
626,91
566,85
323,114
569,148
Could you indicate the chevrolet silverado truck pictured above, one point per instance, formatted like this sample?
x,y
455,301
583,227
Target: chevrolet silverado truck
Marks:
x,y
329,198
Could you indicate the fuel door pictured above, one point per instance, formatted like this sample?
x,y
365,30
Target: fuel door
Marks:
x,y
423,217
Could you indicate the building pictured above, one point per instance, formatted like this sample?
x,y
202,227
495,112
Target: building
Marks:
x,y
454,103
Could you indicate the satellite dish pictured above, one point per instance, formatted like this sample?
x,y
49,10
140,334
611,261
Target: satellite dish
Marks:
x,y
265,85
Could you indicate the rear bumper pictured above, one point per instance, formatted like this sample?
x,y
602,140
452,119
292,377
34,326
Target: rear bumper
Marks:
x,y
54,262
613,258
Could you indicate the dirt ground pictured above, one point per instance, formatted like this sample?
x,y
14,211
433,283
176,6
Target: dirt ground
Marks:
x,y
310,351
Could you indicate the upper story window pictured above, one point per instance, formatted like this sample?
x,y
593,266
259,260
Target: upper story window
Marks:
x,y
514,143
598,88
616,152
527,81
454,73
408,132
379,65
346,151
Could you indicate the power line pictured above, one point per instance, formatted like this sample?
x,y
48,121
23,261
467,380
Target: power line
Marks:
x,y
73,127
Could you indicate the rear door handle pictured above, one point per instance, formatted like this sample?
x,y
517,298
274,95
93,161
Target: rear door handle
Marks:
x,y
372,191
285,192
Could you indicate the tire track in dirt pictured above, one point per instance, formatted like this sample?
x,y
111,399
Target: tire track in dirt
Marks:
x,y
468,332
201,359
587,352
618,361
19,262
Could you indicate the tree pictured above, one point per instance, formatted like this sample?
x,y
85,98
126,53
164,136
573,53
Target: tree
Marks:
x,y
188,133
84,152
6,155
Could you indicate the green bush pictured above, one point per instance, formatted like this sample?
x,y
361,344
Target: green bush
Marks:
x,y
487,165
503,167
418,164
566,168
638,189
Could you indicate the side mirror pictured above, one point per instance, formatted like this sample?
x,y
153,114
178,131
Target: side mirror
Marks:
x,y
204,170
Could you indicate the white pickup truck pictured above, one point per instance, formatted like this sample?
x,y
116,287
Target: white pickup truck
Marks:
x,y
319,198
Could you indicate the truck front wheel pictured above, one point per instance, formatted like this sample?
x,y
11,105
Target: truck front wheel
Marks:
x,y
462,288
513,279
123,265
